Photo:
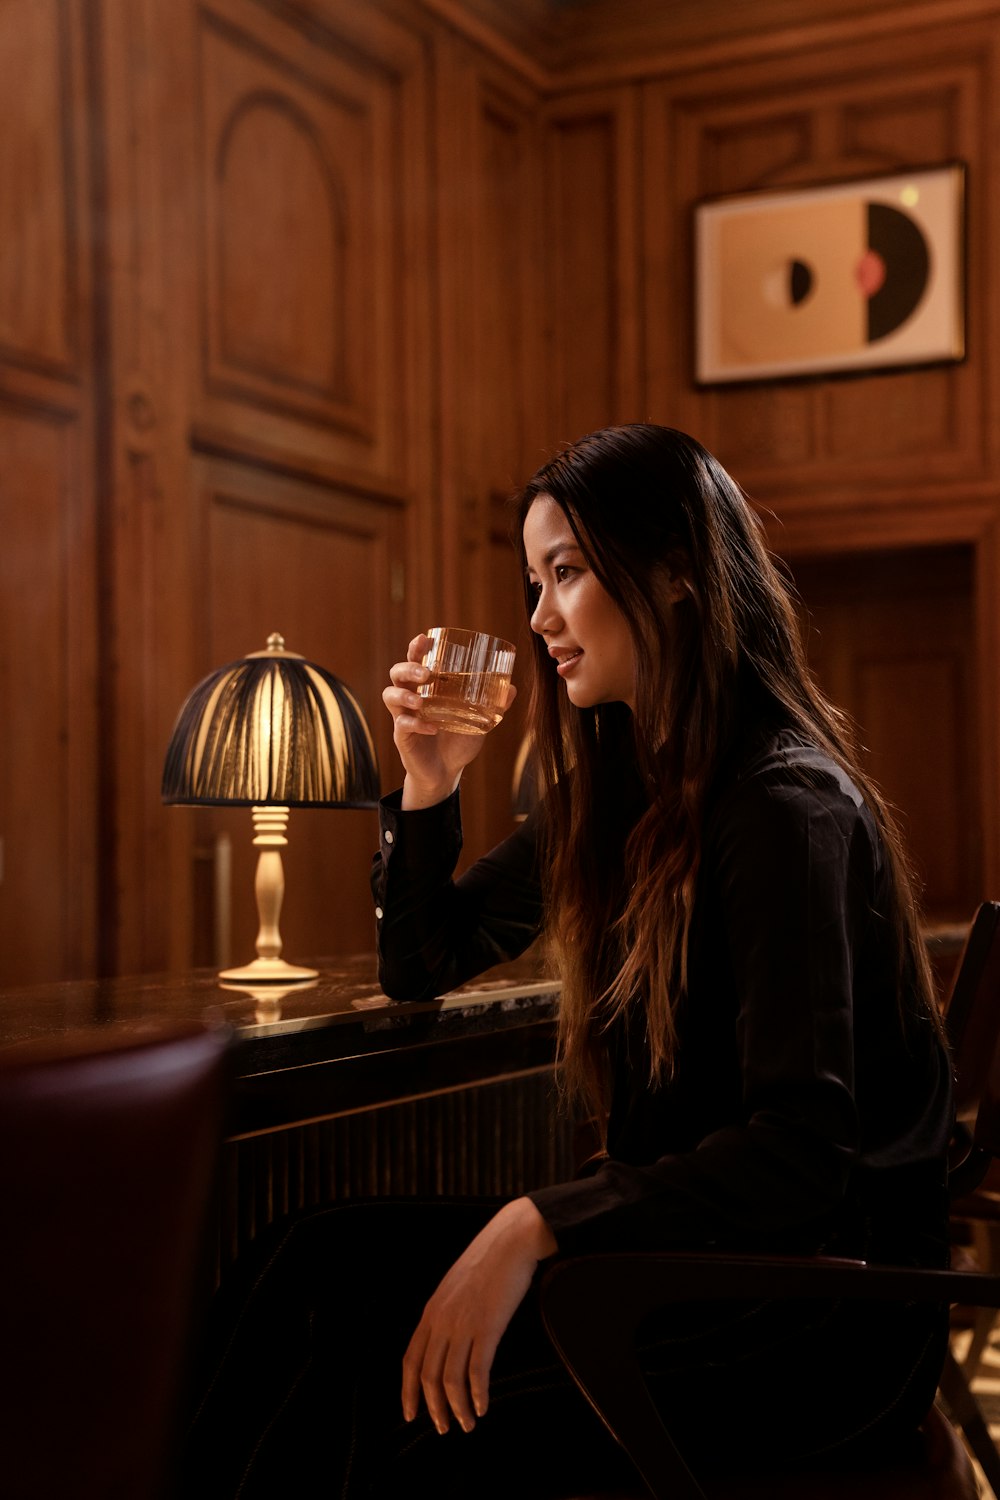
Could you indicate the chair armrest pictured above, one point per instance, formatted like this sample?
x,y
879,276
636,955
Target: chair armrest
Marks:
x,y
592,1305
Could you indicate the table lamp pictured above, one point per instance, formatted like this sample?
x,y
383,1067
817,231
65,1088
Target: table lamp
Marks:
x,y
270,732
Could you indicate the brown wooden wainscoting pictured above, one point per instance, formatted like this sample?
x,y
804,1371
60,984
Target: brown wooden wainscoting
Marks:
x,y
501,1137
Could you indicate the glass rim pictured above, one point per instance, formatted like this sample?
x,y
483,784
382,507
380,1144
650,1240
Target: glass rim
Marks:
x,y
500,642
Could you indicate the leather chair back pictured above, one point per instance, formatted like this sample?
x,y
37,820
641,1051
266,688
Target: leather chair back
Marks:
x,y
109,1147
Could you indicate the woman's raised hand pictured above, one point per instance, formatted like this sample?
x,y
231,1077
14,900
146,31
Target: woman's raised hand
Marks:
x,y
433,759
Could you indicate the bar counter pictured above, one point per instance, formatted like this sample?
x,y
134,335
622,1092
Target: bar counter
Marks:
x,y
327,1047
340,1092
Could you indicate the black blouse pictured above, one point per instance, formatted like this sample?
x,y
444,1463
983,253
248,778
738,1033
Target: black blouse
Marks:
x,y
809,1105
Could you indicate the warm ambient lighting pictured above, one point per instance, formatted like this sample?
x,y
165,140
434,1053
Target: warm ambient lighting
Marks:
x,y
270,732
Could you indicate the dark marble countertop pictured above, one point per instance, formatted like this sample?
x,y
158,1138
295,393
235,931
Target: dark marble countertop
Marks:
x,y
325,1047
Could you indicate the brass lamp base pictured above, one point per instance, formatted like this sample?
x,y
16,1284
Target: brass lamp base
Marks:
x,y
269,967
269,971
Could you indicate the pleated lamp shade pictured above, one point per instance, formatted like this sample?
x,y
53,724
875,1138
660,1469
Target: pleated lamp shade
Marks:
x,y
271,731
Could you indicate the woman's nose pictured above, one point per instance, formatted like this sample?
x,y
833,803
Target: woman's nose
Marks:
x,y
542,614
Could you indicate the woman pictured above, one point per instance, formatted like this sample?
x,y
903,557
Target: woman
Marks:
x,y
746,1004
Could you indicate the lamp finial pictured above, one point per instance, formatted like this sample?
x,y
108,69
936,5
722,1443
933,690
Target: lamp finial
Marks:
x,y
275,647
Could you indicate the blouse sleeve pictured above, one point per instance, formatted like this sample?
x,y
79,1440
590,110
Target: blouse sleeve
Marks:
x,y
436,932
792,896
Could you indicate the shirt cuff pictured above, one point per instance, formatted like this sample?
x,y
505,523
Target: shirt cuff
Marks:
x,y
421,839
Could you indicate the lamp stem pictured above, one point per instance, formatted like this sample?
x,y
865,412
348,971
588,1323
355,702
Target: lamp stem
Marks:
x,y
269,884
269,825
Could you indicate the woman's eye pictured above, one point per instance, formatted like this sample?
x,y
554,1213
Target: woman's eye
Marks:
x,y
562,572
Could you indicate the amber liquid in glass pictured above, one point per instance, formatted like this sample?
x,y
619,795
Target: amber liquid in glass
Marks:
x,y
464,702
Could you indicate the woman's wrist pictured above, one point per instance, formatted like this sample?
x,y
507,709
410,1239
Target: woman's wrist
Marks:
x,y
418,795
537,1236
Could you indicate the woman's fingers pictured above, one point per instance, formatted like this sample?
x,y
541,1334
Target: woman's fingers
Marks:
x,y
408,673
404,704
480,1365
406,677
403,700
413,1361
437,1369
456,1382
418,648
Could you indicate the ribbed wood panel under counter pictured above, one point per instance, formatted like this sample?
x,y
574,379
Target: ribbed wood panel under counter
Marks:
x,y
501,1138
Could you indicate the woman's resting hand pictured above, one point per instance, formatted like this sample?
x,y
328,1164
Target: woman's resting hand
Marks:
x,y
450,1355
432,758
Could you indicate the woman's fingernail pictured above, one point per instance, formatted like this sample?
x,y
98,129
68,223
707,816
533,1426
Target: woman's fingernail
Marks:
x,y
467,1426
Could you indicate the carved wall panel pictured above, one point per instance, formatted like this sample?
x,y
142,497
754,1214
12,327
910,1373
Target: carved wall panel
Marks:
x,y
285,230
490,300
889,637
506,315
304,165
49,677
48,824
39,190
592,157
322,569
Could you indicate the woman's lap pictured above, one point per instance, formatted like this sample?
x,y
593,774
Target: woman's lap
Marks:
x,y
300,1376
299,1391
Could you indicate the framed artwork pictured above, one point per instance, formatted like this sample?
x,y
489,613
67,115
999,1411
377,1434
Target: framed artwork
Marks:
x,y
849,276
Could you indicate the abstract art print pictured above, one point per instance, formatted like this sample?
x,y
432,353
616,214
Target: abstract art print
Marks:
x,y
848,276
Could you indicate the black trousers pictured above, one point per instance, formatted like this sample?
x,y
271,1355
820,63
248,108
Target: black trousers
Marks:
x,y
298,1389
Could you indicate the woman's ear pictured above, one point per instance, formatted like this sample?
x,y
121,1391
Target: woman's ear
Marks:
x,y
671,586
672,581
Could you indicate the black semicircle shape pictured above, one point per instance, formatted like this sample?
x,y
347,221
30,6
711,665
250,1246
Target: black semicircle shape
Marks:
x,y
901,244
800,282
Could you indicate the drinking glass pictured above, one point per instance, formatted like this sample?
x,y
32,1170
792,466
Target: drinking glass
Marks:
x,y
471,672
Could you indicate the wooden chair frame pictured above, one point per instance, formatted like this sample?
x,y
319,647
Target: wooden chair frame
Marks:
x,y
619,1290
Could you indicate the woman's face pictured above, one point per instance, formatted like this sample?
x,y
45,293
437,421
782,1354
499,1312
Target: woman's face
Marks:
x,y
586,633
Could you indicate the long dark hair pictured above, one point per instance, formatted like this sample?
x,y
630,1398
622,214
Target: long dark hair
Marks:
x,y
646,503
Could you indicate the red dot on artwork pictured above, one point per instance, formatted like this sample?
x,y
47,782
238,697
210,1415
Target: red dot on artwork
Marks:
x,y
869,273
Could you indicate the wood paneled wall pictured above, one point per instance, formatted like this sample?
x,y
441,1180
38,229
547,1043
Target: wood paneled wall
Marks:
x,y
863,466
294,293
49,592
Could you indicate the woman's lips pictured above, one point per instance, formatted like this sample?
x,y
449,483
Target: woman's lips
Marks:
x,y
566,662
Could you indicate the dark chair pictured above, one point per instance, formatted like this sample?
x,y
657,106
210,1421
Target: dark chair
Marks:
x,y
972,1009
593,1304
973,1020
109,1148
